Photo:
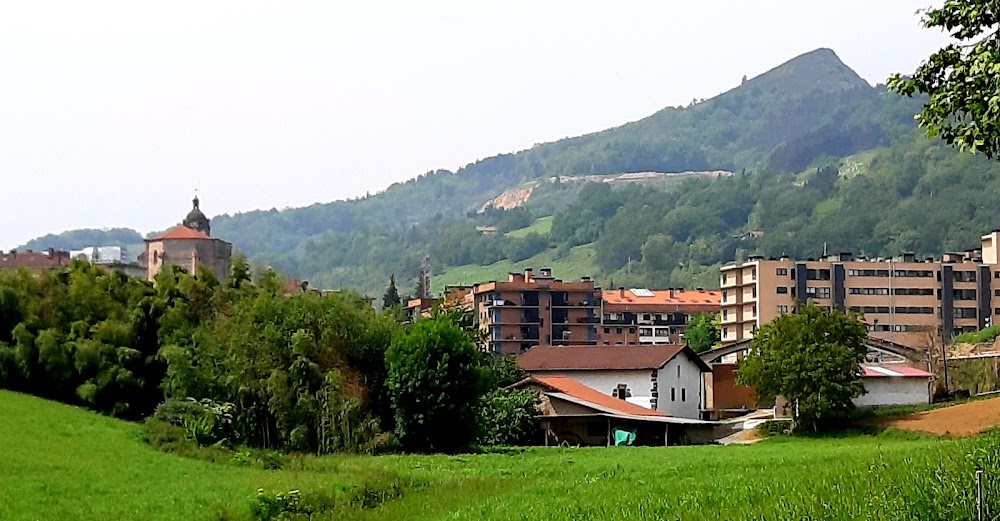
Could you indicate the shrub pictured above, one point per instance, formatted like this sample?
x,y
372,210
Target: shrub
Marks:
x,y
206,422
507,417
982,336
435,381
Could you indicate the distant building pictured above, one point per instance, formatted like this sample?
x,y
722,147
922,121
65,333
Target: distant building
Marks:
x,y
49,259
644,316
109,257
189,246
530,309
486,230
904,300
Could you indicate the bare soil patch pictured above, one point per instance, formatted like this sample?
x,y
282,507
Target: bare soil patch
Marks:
x,y
966,419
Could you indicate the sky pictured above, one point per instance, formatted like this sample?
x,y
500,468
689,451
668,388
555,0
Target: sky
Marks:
x,y
112,114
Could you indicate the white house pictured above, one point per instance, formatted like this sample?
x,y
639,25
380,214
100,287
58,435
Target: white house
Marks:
x,y
666,378
894,384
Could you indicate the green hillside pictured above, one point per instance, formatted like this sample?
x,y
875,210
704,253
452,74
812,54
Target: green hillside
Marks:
x,y
541,226
60,462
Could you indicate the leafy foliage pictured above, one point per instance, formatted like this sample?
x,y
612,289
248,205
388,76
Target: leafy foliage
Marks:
x,y
812,358
702,332
434,383
507,417
962,79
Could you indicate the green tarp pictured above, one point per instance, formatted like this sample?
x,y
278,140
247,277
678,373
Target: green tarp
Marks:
x,y
624,438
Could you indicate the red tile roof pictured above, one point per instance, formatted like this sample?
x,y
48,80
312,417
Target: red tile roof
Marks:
x,y
893,371
575,389
662,297
602,358
180,232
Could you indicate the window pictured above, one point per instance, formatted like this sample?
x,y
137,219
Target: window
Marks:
x,y
913,291
618,330
869,291
726,294
678,371
872,309
996,311
631,330
868,273
964,276
781,272
673,394
916,310
996,274
782,309
607,330
964,294
645,331
753,310
645,316
754,291
822,292
725,314
821,274
782,290
662,332
725,332
964,312
683,394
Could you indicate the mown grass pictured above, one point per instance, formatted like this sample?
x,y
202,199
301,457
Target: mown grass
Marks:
x,y
541,226
578,263
57,462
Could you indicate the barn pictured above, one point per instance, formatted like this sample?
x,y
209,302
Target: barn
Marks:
x,y
894,384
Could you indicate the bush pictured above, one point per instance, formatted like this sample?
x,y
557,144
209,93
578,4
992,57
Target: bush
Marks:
x,y
435,381
982,336
507,417
206,422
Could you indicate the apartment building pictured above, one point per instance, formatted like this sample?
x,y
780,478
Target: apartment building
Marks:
x,y
530,309
651,317
903,300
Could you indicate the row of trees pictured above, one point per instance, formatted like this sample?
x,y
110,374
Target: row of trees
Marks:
x,y
240,361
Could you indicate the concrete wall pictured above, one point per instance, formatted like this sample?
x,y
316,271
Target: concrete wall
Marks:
x,y
212,254
680,395
894,391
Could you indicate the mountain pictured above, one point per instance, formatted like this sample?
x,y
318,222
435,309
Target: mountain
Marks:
x,y
810,153
82,238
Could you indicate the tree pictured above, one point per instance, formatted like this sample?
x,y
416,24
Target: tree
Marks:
x,y
702,332
961,78
812,358
434,381
391,297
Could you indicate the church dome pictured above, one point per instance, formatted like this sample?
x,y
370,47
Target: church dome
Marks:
x,y
196,220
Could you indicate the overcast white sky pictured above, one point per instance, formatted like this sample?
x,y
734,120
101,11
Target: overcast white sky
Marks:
x,y
111,114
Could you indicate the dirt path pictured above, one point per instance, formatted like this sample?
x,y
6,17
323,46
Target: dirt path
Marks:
x,y
959,420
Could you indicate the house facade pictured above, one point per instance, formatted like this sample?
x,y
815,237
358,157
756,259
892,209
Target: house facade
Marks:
x,y
894,384
667,379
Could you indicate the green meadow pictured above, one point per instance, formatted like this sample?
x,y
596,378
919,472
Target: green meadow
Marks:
x,y
60,462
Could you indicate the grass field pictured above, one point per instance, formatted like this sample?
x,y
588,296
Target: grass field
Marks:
x,y
541,226
579,263
58,462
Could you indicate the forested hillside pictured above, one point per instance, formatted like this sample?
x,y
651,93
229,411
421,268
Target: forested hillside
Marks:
x,y
818,156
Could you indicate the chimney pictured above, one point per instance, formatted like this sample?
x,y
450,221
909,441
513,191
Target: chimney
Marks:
x,y
546,272
908,256
621,292
584,279
671,292
846,256
51,252
528,275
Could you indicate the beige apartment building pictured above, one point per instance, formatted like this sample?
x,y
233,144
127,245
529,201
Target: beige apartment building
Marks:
x,y
903,300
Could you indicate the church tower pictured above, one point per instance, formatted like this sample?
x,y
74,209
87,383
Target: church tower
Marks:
x,y
196,220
